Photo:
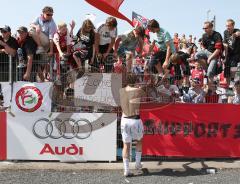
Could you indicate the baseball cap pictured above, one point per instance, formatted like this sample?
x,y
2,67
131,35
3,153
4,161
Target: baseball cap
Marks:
x,y
22,29
5,28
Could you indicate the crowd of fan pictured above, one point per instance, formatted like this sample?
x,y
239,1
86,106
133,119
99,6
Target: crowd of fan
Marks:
x,y
171,69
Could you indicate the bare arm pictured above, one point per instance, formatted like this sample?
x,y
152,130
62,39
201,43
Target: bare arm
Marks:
x,y
7,49
97,40
117,42
58,47
166,62
29,64
51,47
111,45
72,25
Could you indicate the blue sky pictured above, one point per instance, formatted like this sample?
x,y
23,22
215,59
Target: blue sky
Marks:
x,y
182,16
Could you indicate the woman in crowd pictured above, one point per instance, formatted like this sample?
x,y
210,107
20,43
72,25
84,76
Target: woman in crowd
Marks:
x,y
84,49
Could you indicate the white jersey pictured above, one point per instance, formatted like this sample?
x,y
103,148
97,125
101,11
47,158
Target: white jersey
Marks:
x,y
105,34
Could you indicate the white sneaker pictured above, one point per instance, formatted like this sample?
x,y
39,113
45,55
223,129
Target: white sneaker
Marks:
x,y
40,50
128,174
138,166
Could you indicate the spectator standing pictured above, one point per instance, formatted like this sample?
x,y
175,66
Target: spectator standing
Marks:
x,y
176,41
8,46
198,72
29,47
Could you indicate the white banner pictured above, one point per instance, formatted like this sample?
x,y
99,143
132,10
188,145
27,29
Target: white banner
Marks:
x,y
31,97
6,91
62,136
98,89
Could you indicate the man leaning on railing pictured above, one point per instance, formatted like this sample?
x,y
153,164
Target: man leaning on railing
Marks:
x,y
8,48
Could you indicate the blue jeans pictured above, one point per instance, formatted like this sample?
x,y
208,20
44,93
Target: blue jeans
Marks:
x,y
212,67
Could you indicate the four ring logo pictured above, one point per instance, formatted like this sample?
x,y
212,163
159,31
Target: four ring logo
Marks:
x,y
62,128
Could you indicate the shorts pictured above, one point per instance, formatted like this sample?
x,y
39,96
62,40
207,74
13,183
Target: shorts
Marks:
x,y
131,129
158,57
107,63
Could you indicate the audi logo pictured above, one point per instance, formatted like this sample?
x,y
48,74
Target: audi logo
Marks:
x,y
57,128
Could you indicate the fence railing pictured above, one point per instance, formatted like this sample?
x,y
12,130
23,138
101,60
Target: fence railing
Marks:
x,y
46,68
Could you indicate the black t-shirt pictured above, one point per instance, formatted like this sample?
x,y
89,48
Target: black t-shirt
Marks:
x,y
87,39
183,63
28,47
209,42
11,42
233,43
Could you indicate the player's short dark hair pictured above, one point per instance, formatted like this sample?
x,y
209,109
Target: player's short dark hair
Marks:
x,y
210,24
47,9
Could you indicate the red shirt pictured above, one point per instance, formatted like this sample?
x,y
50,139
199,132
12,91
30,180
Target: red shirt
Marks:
x,y
222,81
198,73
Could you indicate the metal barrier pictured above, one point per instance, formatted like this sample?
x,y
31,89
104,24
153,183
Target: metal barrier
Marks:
x,y
63,99
42,69
11,70
7,64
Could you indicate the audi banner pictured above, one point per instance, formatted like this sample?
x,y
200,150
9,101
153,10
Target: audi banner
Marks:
x,y
31,97
3,141
98,89
62,136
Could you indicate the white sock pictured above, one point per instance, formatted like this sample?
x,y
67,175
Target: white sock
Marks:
x,y
138,157
126,164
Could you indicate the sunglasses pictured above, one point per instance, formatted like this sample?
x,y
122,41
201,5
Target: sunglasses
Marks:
x,y
205,28
2,31
49,15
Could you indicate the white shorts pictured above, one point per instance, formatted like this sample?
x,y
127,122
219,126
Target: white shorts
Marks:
x,y
131,129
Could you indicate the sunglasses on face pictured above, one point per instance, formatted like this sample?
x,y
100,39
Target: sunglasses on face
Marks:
x,y
3,31
205,28
49,15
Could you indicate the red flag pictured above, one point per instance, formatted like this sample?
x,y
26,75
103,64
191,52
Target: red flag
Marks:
x,y
110,7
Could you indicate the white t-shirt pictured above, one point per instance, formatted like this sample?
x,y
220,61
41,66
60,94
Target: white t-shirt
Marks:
x,y
105,34
67,39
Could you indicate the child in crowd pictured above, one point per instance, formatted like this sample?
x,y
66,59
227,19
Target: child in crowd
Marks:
x,y
62,40
126,44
